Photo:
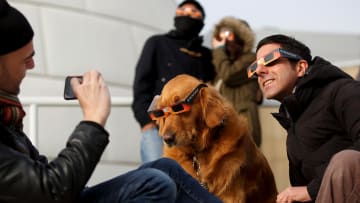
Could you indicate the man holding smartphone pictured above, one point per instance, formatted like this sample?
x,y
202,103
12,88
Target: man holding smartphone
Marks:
x,y
27,176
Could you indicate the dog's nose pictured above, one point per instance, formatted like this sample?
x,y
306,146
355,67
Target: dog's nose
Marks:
x,y
169,139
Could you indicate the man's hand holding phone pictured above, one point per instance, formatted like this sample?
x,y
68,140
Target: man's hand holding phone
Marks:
x,y
93,95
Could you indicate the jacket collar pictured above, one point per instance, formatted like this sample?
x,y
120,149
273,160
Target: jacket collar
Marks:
x,y
320,74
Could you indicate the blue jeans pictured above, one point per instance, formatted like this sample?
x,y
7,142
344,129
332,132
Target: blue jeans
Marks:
x,y
188,189
161,181
151,145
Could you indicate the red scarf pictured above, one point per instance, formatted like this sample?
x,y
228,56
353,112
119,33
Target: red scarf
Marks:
x,y
11,111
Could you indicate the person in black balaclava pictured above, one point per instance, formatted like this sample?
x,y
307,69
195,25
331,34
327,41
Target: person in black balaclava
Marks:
x,y
164,56
189,19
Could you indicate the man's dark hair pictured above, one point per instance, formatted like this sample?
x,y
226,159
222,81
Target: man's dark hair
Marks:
x,y
288,43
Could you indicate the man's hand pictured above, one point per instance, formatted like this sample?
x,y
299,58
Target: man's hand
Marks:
x,y
218,43
93,96
291,194
148,127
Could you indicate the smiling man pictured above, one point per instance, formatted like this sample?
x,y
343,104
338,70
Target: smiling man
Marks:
x,y
320,107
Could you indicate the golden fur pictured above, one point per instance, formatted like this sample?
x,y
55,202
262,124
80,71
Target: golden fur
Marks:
x,y
230,164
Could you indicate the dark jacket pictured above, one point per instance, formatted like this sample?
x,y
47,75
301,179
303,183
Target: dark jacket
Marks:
x,y
26,176
242,92
323,119
160,61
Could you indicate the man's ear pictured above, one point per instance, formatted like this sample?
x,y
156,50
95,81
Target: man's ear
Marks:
x,y
302,67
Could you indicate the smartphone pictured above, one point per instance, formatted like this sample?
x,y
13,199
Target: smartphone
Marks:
x,y
68,91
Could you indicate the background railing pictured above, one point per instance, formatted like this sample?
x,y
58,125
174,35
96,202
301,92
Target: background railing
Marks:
x,y
33,103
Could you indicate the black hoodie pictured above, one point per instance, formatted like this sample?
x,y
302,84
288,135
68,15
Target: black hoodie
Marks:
x,y
321,118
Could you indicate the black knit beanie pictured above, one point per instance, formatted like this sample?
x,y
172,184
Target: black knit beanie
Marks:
x,y
196,4
15,30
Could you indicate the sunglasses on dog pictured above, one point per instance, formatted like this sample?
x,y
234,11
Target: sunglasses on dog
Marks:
x,y
180,107
268,59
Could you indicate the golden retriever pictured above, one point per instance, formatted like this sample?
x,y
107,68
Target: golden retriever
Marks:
x,y
204,133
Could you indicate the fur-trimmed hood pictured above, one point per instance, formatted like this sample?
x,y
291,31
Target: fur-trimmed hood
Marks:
x,y
241,29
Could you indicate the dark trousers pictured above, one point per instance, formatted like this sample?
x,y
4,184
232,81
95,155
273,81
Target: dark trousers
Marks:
x,y
160,181
341,181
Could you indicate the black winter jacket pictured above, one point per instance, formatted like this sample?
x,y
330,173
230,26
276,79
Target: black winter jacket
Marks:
x,y
160,61
26,176
323,119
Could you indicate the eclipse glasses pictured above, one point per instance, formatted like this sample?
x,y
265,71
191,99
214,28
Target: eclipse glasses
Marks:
x,y
180,107
268,59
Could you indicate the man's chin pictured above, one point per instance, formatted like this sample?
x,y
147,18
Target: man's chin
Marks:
x,y
268,95
15,91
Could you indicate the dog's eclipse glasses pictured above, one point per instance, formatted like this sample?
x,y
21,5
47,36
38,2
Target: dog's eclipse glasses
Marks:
x,y
268,59
180,107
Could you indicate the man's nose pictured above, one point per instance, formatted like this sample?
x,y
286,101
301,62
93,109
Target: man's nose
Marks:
x,y
261,69
31,64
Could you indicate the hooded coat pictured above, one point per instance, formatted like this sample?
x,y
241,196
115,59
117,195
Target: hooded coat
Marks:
x,y
242,92
321,118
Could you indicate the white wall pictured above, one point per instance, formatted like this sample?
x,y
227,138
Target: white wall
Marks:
x,y
73,36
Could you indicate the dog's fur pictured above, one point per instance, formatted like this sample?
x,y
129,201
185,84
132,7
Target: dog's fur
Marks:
x,y
230,165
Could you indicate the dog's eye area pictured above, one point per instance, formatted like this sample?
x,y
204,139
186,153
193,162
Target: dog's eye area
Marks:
x,y
176,100
164,112
177,107
158,113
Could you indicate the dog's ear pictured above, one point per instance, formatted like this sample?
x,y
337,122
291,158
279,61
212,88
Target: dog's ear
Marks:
x,y
212,105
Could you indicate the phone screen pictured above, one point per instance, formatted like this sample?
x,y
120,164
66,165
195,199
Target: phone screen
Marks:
x,y
68,91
